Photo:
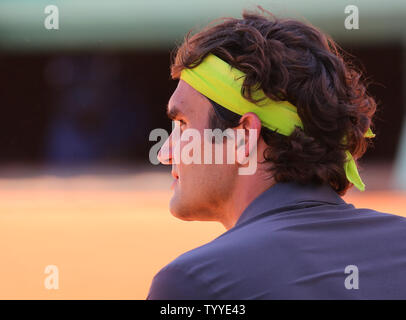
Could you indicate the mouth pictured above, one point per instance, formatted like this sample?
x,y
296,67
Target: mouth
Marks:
x,y
175,179
175,175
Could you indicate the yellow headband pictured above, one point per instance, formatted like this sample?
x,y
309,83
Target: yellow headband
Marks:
x,y
217,80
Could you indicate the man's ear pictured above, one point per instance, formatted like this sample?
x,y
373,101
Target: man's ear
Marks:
x,y
250,126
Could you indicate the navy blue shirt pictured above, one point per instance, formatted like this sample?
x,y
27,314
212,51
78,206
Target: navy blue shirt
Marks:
x,y
295,242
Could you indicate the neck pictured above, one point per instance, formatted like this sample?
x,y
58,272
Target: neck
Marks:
x,y
247,189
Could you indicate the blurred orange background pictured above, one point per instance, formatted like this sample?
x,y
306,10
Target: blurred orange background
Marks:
x,y
108,234
89,93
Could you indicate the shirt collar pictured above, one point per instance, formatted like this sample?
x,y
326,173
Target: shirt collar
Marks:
x,y
284,194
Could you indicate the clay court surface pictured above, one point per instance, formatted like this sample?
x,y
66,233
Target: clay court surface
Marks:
x,y
107,234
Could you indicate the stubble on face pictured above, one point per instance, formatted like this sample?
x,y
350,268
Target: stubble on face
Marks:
x,y
201,191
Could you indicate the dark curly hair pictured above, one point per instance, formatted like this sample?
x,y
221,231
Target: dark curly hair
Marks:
x,y
293,61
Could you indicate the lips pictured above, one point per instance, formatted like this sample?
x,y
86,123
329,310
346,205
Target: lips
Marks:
x,y
175,179
175,175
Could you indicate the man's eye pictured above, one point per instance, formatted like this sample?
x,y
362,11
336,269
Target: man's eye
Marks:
x,y
179,124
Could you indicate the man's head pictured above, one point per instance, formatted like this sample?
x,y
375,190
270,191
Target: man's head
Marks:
x,y
291,61
202,191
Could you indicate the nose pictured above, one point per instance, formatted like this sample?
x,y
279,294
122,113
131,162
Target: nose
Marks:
x,y
170,150
165,153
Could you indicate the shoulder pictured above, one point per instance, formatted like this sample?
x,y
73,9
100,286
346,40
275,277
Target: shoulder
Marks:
x,y
203,272
379,217
185,277
173,282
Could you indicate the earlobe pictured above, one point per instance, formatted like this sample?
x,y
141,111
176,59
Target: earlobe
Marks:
x,y
240,143
246,142
247,150
251,123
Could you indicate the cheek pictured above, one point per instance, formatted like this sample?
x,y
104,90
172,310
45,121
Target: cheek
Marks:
x,y
190,148
191,175
213,168
221,149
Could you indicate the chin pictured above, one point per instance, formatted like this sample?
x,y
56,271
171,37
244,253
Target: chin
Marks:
x,y
185,212
178,210
182,215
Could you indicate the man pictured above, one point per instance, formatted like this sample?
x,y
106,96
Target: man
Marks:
x,y
289,234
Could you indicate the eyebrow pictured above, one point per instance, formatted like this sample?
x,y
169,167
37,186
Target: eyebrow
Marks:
x,y
173,113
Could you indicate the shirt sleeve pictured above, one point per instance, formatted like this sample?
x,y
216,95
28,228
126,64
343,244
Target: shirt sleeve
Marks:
x,y
174,283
